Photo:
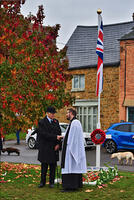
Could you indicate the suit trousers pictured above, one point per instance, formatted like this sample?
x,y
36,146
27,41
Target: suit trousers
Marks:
x,y
44,168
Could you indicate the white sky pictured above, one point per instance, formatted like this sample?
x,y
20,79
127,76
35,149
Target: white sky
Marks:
x,y
70,13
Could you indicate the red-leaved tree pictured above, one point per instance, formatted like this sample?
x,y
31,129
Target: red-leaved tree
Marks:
x,y
33,73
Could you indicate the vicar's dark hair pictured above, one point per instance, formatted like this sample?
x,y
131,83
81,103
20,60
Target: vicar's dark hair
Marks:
x,y
72,111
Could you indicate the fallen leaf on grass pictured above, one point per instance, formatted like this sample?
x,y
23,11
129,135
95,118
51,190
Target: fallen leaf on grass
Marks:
x,y
31,185
3,181
25,165
122,190
104,185
18,176
88,190
100,186
116,179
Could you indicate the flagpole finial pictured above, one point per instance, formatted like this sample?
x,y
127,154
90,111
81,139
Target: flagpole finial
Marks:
x,y
99,11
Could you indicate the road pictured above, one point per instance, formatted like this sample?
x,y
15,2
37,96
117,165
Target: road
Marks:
x,y
29,156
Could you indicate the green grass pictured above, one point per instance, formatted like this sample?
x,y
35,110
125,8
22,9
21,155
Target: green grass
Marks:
x,y
20,181
12,136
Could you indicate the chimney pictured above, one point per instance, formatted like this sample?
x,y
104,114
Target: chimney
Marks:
x,y
133,16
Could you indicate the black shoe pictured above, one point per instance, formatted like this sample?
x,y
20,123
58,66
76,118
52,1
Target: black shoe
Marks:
x,y
51,185
41,185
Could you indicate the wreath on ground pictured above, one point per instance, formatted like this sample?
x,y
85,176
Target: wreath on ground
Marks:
x,y
98,136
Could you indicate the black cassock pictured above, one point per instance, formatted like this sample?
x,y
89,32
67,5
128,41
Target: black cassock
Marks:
x,y
69,181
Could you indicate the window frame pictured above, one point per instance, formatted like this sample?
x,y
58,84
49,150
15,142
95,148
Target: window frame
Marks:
x,y
91,103
78,89
127,117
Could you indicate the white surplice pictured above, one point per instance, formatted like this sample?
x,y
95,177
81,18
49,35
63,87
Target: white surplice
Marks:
x,y
75,159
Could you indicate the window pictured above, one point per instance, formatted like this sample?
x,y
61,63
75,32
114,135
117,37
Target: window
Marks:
x,y
130,114
132,128
87,117
78,82
87,112
123,128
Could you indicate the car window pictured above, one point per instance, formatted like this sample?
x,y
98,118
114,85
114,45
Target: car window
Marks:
x,y
132,128
123,128
63,127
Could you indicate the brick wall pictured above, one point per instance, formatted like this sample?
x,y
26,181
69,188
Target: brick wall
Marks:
x,y
109,96
126,92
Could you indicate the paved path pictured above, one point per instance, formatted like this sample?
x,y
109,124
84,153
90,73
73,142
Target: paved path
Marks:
x,y
30,156
26,155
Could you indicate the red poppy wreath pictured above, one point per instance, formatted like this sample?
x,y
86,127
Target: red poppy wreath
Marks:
x,y
98,136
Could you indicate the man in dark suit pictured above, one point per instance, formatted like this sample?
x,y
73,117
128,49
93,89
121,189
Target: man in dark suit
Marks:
x,y
48,137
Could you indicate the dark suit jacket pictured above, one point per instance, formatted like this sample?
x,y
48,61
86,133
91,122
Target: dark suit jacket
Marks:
x,y
47,140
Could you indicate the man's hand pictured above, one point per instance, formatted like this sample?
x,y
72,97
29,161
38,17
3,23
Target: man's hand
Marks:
x,y
59,137
57,147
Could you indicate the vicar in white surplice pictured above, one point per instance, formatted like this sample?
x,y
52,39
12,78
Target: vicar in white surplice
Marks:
x,y
73,161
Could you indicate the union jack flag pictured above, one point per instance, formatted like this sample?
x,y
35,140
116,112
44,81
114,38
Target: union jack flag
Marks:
x,y
99,51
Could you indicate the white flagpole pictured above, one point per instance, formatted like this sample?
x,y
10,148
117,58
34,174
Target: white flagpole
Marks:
x,y
98,145
98,124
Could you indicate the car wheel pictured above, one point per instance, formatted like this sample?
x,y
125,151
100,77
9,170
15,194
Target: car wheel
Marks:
x,y
32,143
110,146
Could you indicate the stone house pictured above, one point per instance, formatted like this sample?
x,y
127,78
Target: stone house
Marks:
x,y
117,98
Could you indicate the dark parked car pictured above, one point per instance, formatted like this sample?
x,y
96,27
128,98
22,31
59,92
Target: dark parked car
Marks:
x,y
119,136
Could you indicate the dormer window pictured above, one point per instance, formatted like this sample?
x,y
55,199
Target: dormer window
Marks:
x,y
78,82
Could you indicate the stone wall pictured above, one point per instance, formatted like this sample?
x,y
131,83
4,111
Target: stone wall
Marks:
x,y
109,96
